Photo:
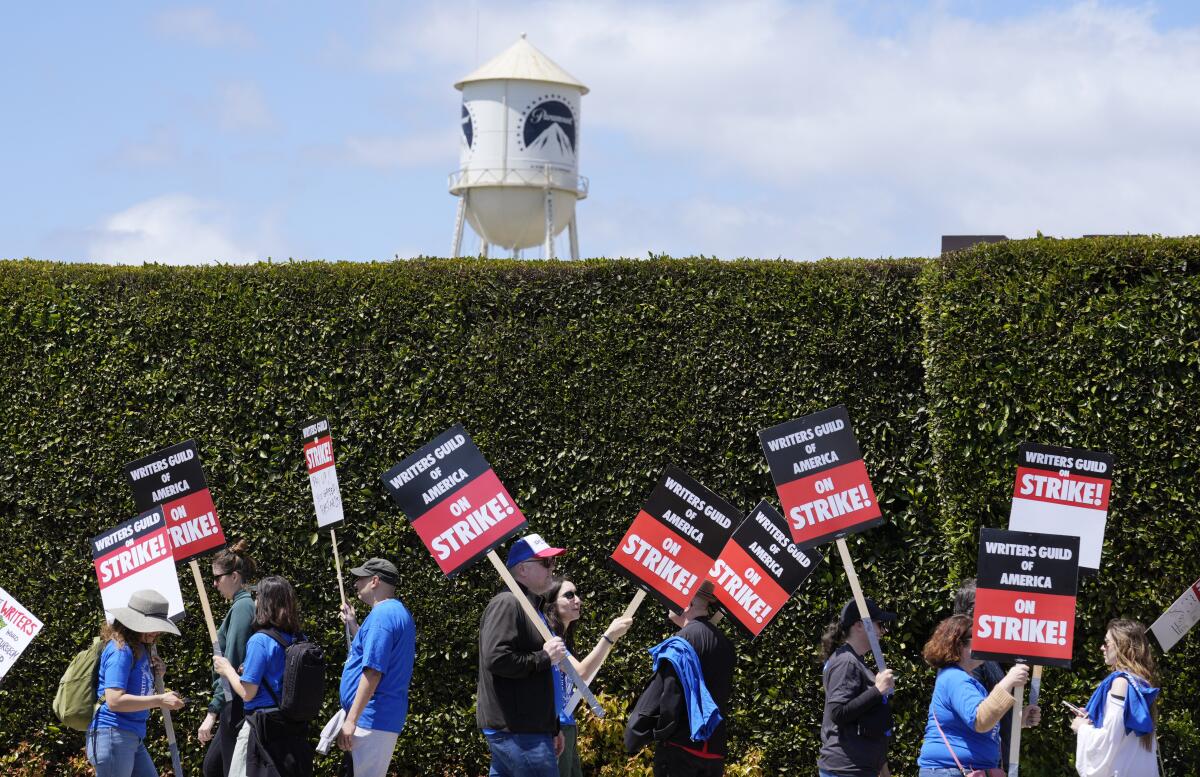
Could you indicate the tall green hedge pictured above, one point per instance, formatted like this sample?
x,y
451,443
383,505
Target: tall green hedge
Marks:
x,y
1094,344
580,381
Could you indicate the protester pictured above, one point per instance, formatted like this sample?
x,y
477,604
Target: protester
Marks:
x,y
1115,733
562,607
260,685
685,707
515,708
989,673
374,688
232,569
963,727
125,688
857,722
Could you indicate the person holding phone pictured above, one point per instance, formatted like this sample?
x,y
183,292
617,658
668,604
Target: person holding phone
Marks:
x,y
1115,733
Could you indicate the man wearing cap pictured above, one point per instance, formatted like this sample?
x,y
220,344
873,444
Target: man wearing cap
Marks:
x,y
685,707
516,708
374,688
857,722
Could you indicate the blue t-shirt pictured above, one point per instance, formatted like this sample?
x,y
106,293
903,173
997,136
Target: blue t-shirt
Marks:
x,y
118,669
956,698
386,642
264,664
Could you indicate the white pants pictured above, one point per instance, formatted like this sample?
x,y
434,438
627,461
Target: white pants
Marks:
x,y
237,765
372,752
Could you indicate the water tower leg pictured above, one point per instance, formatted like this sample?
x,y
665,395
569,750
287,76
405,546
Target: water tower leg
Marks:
x,y
573,232
456,246
483,249
549,250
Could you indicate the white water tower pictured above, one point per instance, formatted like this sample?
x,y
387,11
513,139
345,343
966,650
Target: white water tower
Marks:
x,y
519,171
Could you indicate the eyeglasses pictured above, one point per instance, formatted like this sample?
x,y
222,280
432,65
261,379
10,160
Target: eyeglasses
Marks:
x,y
548,563
568,595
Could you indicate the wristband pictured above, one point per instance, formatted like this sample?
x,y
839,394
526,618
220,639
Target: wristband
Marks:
x,y
606,638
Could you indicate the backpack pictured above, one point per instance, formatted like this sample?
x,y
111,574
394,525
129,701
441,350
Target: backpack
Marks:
x,y
75,702
302,690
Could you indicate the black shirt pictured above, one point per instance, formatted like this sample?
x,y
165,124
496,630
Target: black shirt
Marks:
x,y
853,729
516,686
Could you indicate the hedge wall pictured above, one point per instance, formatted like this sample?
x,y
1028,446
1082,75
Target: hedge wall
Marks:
x,y
1095,344
580,381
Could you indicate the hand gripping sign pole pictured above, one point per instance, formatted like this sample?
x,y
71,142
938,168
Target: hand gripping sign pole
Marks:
x,y
327,496
167,724
461,511
173,478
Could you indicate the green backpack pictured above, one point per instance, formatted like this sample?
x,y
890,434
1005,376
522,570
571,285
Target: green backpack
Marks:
x,y
75,702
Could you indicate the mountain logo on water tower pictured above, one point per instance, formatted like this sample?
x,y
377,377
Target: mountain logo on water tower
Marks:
x,y
549,125
468,126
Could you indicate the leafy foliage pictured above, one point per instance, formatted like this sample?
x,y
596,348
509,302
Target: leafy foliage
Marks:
x,y
580,382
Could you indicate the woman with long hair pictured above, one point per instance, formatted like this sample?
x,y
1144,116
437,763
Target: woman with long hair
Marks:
x,y
962,732
125,688
857,719
1115,733
260,684
232,571
562,608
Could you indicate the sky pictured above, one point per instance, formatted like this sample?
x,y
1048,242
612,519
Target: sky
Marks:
x,y
232,132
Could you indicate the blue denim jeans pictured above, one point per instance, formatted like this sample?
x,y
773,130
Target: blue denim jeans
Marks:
x,y
927,771
522,755
118,753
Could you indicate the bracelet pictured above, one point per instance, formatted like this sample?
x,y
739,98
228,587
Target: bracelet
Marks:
x,y
606,638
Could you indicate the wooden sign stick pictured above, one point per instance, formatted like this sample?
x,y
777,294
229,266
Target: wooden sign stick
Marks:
x,y
565,666
208,621
176,765
576,697
1014,745
337,562
861,602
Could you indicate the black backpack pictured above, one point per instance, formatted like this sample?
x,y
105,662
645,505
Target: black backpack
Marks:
x,y
303,688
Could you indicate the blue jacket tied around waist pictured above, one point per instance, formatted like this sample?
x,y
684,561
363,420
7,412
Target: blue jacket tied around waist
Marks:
x,y
703,715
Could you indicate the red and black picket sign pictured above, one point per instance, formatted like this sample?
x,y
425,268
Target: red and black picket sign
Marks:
x,y
136,555
1064,491
821,477
173,478
322,475
675,538
1025,597
454,500
759,569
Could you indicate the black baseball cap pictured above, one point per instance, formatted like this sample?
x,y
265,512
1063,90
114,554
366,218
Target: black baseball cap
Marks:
x,y
385,569
850,614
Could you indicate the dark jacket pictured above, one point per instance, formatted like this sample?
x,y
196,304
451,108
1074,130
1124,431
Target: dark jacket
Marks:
x,y
857,723
660,714
277,747
516,687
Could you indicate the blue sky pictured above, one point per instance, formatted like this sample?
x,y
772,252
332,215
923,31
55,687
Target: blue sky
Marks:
x,y
233,132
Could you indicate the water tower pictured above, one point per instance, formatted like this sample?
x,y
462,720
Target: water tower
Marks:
x,y
519,166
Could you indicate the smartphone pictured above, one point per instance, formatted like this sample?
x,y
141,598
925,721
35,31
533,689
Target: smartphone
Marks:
x,y
1073,708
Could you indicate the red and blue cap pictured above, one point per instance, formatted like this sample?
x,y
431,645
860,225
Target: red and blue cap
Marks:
x,y
530,546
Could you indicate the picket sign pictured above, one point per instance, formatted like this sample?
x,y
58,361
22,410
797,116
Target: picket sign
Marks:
x,y
861,602
167,724
630,611
208,621
1014,745
327,497
565,666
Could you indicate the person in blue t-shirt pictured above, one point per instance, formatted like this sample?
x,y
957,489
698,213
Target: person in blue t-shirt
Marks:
x,y
561,608
374,687
261,682
963,725
125,688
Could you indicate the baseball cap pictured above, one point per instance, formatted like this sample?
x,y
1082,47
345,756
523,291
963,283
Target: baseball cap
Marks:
x,y
850,614
385,569
530,546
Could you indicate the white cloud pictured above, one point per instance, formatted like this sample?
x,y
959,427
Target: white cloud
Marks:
x,y
1068,120
201,26
242,107
171,229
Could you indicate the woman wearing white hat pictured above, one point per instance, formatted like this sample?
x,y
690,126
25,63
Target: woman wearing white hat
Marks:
x,y
125,687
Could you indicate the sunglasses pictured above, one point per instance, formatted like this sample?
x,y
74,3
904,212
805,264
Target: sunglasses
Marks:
x,y
548,563
568,595
217,577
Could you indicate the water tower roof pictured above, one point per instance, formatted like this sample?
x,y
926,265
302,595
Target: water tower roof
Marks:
x,y
522,62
